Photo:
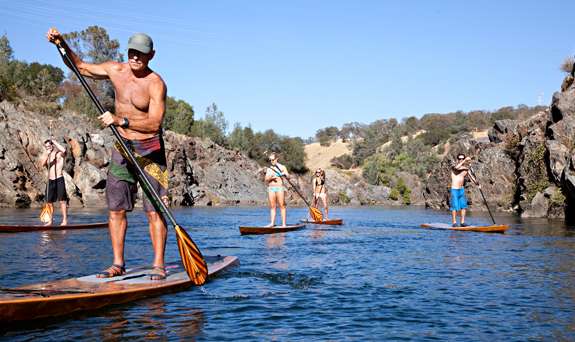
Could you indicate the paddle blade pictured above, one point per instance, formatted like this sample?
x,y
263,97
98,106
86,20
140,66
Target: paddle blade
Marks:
x,y
192,258
315,214
46,213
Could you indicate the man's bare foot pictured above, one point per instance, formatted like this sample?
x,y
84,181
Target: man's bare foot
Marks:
x,y
64,223
269,225
48,223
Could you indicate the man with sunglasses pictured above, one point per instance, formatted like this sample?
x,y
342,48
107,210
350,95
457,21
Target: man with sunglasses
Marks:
x,y
140,105
458,201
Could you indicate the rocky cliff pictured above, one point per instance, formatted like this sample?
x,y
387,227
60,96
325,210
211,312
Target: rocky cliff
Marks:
x,y
201,172
526,167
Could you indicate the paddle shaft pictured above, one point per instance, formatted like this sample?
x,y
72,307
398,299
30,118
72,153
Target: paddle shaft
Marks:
x,y
159,205
292,185
482,195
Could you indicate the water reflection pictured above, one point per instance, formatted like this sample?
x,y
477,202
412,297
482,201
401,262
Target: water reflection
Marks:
x,y
275,241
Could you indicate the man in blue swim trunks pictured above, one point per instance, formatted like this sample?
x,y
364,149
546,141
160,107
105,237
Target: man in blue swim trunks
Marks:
x,y
458,201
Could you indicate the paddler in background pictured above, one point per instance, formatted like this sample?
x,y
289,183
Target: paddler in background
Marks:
x,y
320,191
458,200
276,189
53,160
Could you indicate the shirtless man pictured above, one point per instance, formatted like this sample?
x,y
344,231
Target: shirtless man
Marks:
x,y
53,160
276,189
458,200
140,106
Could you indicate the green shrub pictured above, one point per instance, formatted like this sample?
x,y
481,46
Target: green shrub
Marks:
x,y
394,194
343,197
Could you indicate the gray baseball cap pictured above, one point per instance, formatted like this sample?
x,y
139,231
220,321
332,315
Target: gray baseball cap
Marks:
x,y
141,42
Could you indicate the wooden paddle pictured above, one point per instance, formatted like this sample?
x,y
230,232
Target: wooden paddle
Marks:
x,y
314,212
192,258
482,195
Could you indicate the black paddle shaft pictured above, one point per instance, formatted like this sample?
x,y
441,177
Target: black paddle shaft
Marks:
x,y
150,191
482,195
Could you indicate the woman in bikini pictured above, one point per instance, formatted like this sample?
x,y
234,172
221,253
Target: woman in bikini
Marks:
x,y
276,189
320,191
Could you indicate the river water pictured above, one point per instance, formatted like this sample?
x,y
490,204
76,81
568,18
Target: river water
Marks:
x,y
377,277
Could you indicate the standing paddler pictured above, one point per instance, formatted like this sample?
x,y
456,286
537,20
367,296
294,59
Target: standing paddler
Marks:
x,y
53,159
458,200
276,189
140,104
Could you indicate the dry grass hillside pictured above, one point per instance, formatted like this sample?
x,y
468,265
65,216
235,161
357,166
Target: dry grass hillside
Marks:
x,y
320,156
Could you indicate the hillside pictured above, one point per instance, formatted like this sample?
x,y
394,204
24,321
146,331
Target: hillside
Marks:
x,y
320,156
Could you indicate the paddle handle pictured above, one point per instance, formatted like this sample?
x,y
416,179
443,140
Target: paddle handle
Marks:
x,y
159,205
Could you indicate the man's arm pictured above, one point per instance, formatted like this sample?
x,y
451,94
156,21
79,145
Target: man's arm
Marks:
x,y
95,71
44,159
461,165
59,148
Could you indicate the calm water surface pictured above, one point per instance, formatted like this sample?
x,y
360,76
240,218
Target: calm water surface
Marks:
x,y
378,277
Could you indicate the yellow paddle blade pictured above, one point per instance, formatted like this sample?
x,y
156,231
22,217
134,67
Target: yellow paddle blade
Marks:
x,y
192,258
46,213
316,214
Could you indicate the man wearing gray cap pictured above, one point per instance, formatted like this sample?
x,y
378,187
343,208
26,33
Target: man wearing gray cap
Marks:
x,y
140,105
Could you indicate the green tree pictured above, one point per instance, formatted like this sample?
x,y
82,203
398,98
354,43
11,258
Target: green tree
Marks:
x,y
6,52
326,135
179,116
241,139
93,45
213,126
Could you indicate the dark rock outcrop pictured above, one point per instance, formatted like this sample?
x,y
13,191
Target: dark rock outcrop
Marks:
x,y
528,167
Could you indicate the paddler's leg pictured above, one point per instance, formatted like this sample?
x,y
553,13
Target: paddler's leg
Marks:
x,y
272,203
64,208
118,224
463,217
158,234
454,218
324,200
282,203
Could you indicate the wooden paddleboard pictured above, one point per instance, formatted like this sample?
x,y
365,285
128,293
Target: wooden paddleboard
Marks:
x,y
30,228
62,297
332,222
246,230
499,228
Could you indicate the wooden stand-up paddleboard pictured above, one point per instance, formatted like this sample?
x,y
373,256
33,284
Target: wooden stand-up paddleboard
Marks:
x,y
331,222
4,228
62,297
269,230
499,228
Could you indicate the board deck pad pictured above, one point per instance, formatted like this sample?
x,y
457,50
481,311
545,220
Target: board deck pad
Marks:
x,y
486,229
7,228
254,230
62,297
332,222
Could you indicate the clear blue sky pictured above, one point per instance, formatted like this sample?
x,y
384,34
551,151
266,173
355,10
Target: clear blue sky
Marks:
x,y
297,66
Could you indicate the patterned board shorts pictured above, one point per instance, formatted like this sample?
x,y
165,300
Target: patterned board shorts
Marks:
x,y
121,186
